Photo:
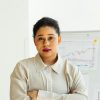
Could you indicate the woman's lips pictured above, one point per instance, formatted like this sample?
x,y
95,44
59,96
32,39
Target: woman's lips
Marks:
x,y
46,50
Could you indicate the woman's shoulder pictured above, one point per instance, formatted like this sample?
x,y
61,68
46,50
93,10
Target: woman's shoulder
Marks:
x,y
70,66
23,65
26,61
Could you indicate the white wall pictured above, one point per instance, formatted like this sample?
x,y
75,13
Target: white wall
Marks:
x,y
13,32
73,15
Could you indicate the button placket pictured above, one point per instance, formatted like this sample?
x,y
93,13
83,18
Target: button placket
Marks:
x,y
48,78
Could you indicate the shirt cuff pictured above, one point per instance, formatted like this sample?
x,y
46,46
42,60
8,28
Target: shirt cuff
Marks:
x,y
48,95
44,95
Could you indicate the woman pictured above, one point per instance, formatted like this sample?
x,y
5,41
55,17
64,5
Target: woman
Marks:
x,y
47,76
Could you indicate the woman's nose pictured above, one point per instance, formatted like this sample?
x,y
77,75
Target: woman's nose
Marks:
x,y
46,42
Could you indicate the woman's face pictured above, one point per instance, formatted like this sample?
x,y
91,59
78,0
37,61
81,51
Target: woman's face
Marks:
x,y
46,41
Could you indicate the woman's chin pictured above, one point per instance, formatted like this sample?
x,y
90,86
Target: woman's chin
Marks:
x,y
46,55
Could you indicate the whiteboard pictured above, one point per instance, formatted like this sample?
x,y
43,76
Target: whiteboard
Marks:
x,y
81,48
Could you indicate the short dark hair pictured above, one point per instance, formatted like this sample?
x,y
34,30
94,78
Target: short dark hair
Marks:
x,y
46,21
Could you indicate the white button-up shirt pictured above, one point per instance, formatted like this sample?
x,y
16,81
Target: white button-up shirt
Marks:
x,y
60,81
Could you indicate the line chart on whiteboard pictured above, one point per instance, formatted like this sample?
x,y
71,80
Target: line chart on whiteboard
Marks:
x,y
81,53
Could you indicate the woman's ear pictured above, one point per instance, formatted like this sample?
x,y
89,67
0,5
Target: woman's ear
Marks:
x,y
59,39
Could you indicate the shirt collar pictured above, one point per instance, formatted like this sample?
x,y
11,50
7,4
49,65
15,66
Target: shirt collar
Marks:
x,y
39,63
57,67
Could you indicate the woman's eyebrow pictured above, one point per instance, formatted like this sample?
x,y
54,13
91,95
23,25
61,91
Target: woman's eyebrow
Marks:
x,y
43,35
39,35
50,34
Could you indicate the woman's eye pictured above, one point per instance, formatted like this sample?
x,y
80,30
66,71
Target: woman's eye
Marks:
x,y
40,39
50,38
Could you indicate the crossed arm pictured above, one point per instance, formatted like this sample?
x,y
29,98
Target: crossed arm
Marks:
x,y
54,96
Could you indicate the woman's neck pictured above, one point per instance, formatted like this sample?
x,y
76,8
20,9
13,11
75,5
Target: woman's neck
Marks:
x,y
50,60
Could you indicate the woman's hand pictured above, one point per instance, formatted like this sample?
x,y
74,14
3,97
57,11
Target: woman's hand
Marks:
x,y
33,94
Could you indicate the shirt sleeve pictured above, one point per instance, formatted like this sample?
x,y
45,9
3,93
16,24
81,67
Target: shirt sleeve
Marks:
x,y
18,85
47,95
78,90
